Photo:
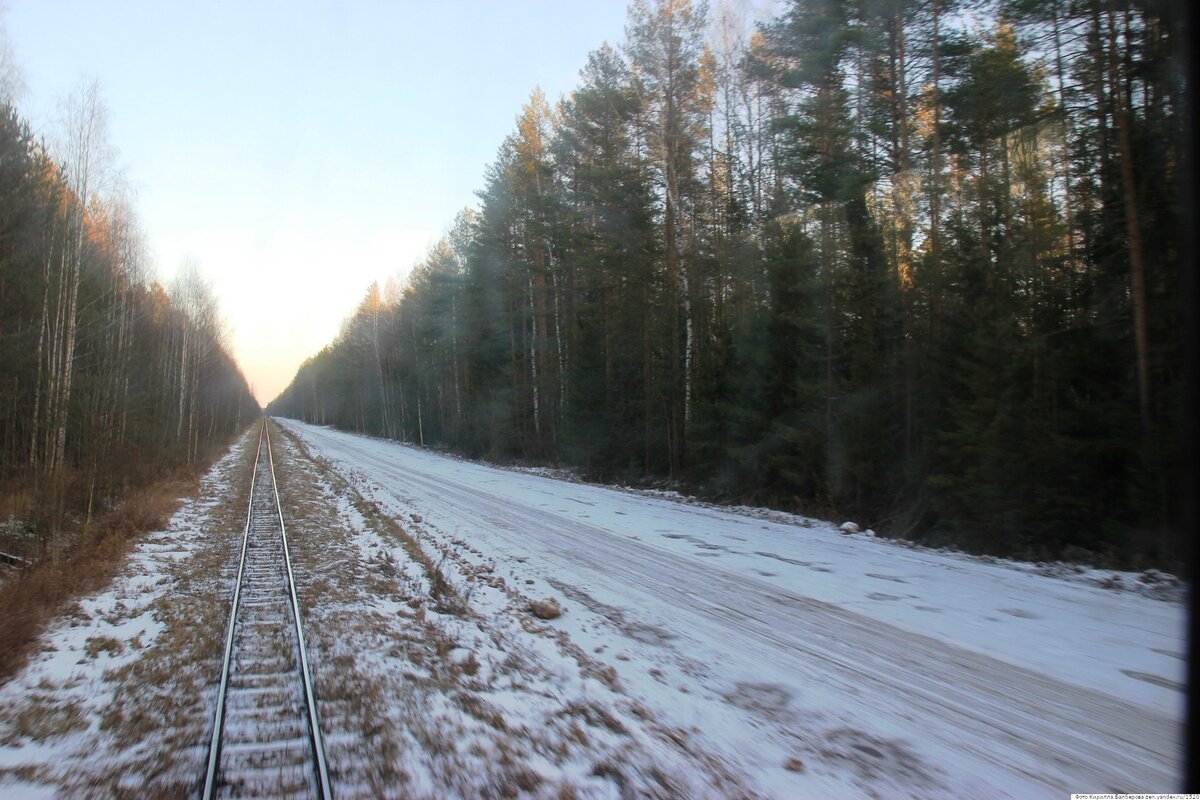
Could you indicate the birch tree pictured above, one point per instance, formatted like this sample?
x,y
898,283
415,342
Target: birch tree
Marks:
x,y
87,155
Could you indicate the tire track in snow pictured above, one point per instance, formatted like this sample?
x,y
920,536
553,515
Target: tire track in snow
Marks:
x,y
1011,719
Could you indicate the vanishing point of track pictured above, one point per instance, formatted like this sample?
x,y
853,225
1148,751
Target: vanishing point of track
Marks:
x,y
266,739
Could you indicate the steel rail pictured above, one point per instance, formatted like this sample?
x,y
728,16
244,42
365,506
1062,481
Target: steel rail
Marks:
x,y
214,747
320,773
314,728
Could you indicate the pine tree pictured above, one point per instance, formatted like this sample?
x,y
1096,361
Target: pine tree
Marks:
x,y
609,256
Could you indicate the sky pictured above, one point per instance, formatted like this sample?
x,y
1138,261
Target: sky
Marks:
x,y
298,151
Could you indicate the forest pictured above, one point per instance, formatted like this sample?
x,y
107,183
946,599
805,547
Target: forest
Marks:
x,y
911,262
108,380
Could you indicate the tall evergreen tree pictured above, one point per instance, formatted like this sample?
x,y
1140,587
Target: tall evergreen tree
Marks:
x,y
881,259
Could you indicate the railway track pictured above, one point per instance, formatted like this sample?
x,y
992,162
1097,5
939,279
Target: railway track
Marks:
x,y
266,739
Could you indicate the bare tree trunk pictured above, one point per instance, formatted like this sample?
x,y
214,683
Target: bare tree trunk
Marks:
x,y
902,205
34,449
647,377
533,365
54,393
671,255
562,351
454,359
1065,122
935,194
385,416
60,441
191,416
1133,228
184,382
420,422
827,264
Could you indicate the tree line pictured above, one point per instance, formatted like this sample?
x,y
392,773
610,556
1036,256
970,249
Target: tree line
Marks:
x,y
107,379
911,261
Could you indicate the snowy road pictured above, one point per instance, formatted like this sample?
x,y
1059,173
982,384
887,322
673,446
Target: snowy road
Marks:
x,y
810,662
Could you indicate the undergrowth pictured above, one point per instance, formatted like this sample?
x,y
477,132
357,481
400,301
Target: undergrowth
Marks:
x,y
45,590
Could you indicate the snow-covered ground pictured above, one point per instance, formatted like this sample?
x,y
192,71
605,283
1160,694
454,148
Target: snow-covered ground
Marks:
x,y
700,652
791,659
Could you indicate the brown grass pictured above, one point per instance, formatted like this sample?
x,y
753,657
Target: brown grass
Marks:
x,y
47,589
16,501
442,591
96,645
43,718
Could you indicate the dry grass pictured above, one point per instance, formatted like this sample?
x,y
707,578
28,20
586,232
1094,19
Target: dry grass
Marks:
x,y
161,700
47,589
150,712
16,501
441,590
103,644
42,718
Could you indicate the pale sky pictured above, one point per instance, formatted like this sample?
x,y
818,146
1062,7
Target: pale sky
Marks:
x,y
299,150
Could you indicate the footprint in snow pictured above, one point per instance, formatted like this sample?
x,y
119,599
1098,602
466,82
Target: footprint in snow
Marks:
x,y
764,699
872,757
647,634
